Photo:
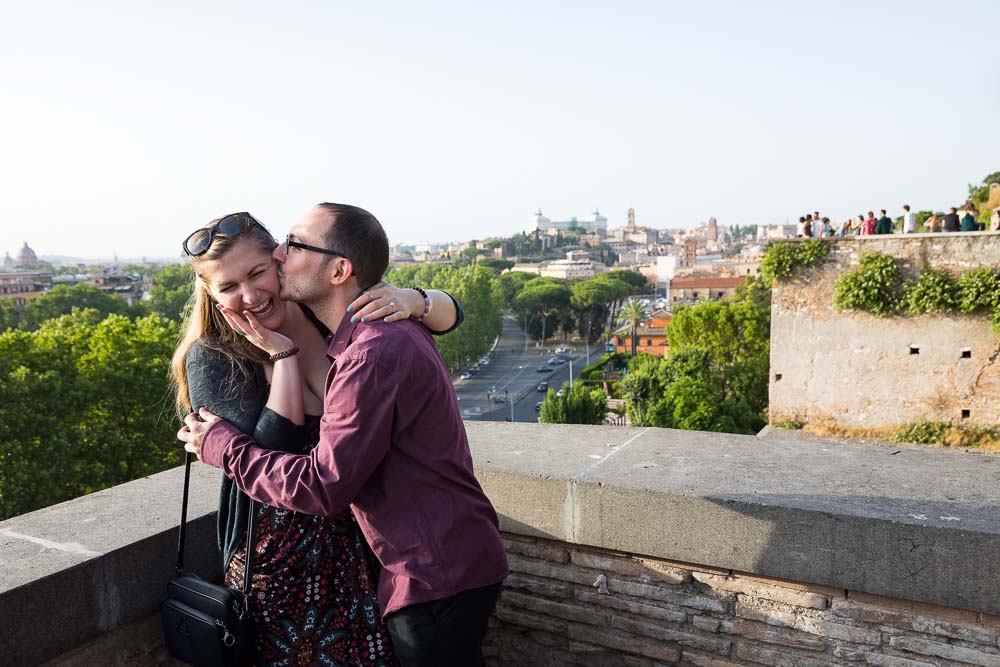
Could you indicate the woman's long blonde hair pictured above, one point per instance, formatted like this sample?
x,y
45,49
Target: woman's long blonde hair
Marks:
x,y
206,324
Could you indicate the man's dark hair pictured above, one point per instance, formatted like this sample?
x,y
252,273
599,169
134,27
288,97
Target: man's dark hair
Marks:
x,y
358,235
906,207
882,211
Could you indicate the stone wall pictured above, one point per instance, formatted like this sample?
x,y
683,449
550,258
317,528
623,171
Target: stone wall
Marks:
x,y
808,553
859,371
570,605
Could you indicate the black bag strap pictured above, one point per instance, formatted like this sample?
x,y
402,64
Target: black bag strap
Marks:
x,y
250,531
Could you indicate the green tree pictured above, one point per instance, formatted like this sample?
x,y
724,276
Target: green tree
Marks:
x,y
62,299
578,404
84,405
511,284
8,314
478,290
171,291
498,265
541,299
633,313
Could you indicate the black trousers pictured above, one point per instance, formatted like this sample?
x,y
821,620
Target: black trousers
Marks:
x,y
444,633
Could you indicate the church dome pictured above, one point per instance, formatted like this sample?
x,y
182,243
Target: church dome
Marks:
x,y
8,261
27,255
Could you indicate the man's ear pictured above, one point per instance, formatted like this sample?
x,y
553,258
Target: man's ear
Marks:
x,y
342,271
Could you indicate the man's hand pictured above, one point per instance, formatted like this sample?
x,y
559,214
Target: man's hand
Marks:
x,y
195,427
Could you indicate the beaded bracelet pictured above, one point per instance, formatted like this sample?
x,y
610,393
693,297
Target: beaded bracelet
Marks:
x,y
284,355
427,304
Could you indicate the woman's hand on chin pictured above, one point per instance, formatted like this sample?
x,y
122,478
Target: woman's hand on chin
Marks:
x,y
386,301
249,327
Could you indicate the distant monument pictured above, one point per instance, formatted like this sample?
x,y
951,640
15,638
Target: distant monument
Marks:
x,y
8,262
631,220
713,230
27,256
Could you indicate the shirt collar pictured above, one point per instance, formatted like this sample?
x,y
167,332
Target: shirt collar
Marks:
x,y
341,337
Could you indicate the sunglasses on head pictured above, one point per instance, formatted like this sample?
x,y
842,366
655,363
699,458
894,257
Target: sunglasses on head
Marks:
x,y
233,224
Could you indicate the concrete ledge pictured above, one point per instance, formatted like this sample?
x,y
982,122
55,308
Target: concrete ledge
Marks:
x,y
76,570
911,524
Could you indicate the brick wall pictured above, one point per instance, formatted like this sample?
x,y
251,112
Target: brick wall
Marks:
x,y
569,605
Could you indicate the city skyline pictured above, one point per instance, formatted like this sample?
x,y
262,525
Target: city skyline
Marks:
x,y
126,127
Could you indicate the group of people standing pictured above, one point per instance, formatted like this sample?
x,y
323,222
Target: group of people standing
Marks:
x,y
814,226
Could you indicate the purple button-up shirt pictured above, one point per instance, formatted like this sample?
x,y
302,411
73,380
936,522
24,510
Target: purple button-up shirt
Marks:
x,y
393,447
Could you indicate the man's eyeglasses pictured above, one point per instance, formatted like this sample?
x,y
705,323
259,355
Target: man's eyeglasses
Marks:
x,y
295,244
233,224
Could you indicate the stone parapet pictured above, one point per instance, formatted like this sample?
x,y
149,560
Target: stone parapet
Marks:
x,y
628,546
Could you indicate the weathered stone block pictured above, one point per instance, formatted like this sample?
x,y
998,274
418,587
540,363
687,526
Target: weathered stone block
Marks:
x,y
670,634
759,589
700,602
647,569
538,585
773,634
627,643
910,620
554,552
775,658
573,612
624,604
811,624
946,651
876,659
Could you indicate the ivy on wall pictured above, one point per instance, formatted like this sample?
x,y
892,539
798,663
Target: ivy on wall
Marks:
x,y
781,259
877,287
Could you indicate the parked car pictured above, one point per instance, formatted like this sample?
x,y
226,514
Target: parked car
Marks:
x,y
543,387
565,357
545,369
466,375
564,349
538,406
559,393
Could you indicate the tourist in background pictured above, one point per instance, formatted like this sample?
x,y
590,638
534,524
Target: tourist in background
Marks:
x,y
828,229
817,226
995,220
909,220
951,222
803,229
868,225
933,223
969,219
884,224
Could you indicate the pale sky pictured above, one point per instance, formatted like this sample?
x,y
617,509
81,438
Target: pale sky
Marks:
x,y
124,126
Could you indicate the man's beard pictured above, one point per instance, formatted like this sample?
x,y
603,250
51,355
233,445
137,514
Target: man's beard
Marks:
x,y
299,291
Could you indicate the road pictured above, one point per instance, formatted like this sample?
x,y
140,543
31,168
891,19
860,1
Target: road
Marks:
x,y
513,374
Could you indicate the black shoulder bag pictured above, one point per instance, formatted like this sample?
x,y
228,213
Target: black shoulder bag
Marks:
x,y
205,624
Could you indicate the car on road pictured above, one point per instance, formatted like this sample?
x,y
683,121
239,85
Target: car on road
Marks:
x,y
563,349
556,361
565,357
466,375
543,386
560,392
538,406
545,369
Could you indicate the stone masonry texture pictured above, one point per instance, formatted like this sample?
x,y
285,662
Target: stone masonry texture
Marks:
x,y
855,370
570,605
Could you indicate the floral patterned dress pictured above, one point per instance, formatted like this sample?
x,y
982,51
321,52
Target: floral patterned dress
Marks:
x,y
313,591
